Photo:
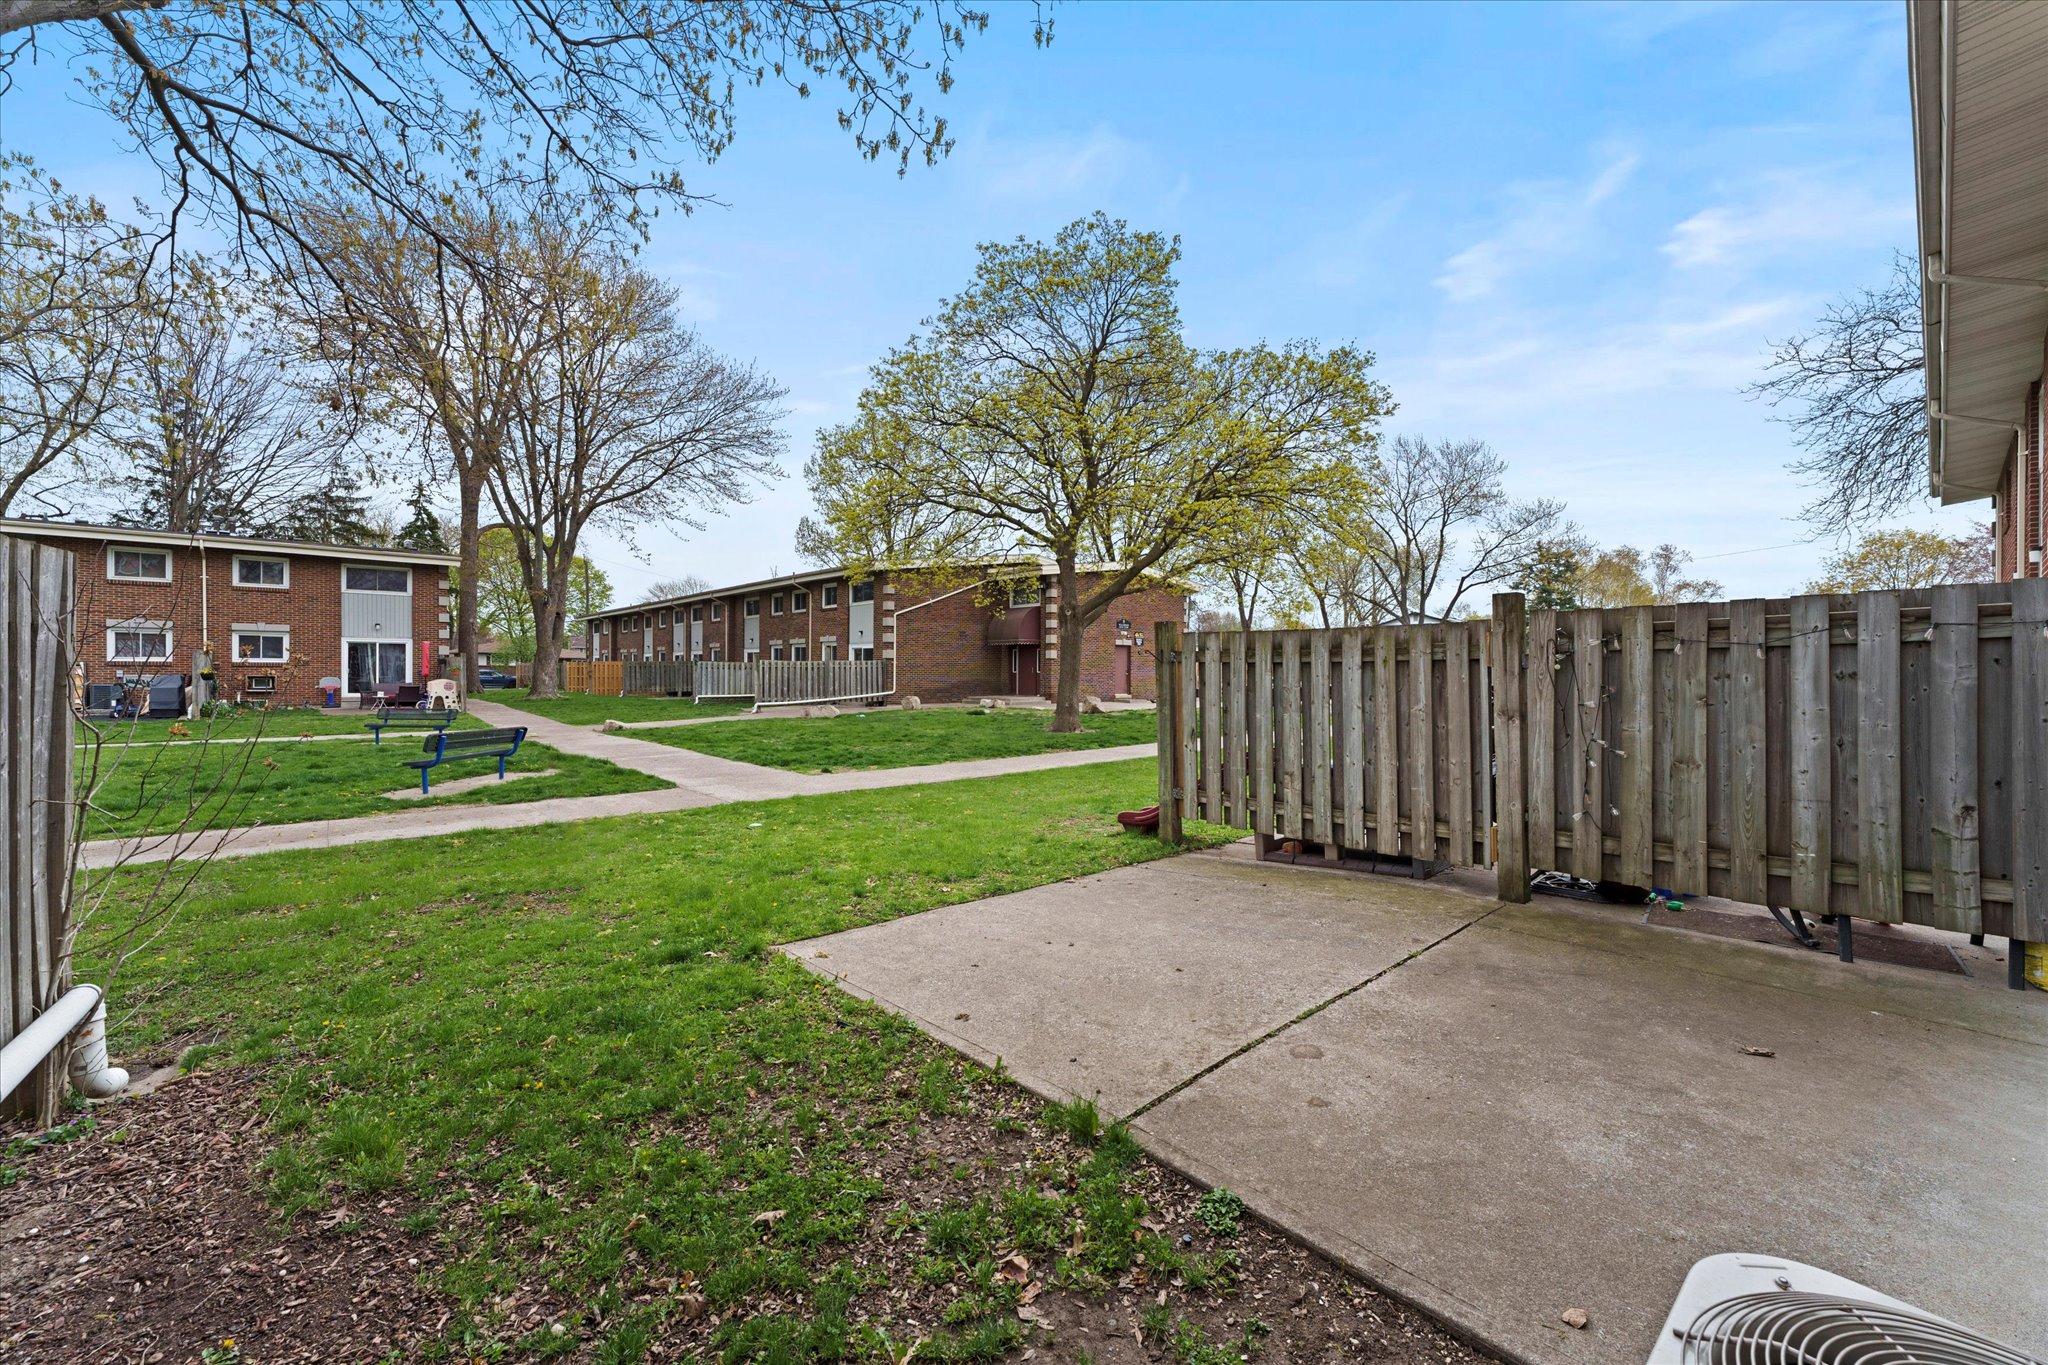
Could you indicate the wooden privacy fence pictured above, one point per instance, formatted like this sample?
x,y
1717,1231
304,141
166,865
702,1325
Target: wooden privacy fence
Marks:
x,y
1371,739
798,680
36,756
1882,755
603,676
662,678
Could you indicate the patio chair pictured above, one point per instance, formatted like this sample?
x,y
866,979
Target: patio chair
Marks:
x,y
409,695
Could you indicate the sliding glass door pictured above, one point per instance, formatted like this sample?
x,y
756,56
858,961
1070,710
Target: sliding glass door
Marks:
x,y
371,664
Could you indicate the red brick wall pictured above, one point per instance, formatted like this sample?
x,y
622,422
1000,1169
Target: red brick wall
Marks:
x,y
941,637
309,608
1143,609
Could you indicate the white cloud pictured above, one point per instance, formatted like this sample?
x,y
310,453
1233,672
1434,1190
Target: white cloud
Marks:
x,y
1544,218
1787,211
1060,166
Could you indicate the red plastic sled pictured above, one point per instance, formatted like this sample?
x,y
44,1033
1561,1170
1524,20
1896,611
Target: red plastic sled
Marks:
x,y
1146,820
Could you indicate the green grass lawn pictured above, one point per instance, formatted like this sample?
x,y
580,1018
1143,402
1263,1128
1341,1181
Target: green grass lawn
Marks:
x,y
243,723
577,1063
151,788
903,739
577,708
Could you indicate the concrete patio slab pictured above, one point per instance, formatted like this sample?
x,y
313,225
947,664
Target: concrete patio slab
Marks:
x,y
1122,985
1545,1107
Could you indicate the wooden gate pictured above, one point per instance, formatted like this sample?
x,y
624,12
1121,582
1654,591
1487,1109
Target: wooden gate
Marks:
x,y
1882,755
1372,739
661,678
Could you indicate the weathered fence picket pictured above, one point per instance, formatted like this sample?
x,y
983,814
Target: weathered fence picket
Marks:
x,y
1281,732
36,825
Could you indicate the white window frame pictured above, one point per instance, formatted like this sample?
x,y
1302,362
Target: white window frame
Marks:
x,y
115,551
861,653
867,584
775,604
799,600
285,564
831,593
696,614
750,608
382,592
162,628
373,640
715,613
1020,589
799,652
775,651
281,632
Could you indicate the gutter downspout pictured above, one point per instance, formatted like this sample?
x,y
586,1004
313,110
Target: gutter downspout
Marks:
x,y
81,1010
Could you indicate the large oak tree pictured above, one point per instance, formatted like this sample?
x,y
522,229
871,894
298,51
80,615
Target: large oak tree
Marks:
x,y
1054,408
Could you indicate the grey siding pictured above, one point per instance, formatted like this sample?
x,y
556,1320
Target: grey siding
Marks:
x,y
376,616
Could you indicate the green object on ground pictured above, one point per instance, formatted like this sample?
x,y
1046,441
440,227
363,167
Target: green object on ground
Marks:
x,y
586,1030
904,739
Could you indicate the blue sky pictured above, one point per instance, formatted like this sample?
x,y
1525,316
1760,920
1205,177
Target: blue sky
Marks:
x,y
1570,231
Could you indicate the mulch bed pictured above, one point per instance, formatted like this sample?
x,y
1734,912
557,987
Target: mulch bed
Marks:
x,y
148,1239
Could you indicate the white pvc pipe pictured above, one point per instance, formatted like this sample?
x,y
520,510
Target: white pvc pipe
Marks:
x,y
81,1006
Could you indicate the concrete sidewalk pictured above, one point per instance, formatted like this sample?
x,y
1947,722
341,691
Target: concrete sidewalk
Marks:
x,y
1501,1112
699,780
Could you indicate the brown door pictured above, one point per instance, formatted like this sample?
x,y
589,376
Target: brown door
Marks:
x,y
1123,670
1023,670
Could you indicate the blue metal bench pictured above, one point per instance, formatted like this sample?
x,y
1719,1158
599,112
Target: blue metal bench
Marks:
x,y
407,718
446,746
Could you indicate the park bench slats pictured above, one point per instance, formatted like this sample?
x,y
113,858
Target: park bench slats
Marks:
x,y
446,746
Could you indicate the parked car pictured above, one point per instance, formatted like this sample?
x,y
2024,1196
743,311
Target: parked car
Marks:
x,y
491,677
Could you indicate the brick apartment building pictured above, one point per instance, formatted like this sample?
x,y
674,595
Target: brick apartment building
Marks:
x,y
277,616
955,636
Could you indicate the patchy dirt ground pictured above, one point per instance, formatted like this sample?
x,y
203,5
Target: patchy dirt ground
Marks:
x,y
146,1238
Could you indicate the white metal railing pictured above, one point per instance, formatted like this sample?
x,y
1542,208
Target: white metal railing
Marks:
x,y
782,681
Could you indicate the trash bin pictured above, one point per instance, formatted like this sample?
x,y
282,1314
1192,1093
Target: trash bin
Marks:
x,y
330,689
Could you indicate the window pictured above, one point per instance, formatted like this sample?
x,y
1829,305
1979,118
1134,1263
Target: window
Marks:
x,y
139,642
661,656
864,592
751,607
375,578
371,664
142,566
716,654
696,613
663,622
1024,593
714,611
262,646
775,651
775,605
262,573
831,591
799,651
863,652
799,600
828,650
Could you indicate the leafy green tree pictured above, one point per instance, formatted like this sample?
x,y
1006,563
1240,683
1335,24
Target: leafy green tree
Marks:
x,y
1907,558
335,511
504,605
1054,408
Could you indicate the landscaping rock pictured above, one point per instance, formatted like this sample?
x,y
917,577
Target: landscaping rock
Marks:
x,y
987,703
911,703
612,727
825,712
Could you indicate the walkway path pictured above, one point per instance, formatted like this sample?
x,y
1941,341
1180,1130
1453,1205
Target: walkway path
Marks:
x,y
700,780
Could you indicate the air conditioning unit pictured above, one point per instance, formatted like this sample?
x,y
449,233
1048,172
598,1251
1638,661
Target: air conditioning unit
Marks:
x,y
260,682
1744,1309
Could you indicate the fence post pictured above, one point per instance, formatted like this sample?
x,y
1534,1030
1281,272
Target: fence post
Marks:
x,y
1172,759
1510,646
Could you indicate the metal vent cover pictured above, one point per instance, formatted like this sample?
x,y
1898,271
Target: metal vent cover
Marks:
x,y
1742,1308
1790,1328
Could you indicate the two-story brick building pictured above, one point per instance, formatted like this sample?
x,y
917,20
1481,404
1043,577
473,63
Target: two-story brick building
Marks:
x,y
276,616
952,635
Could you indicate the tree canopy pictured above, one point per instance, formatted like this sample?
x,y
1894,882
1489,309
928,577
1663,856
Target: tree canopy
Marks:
x,y
1907,558
1053,407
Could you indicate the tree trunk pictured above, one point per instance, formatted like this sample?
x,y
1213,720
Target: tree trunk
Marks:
x,y
547,627
1066,702
471,481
